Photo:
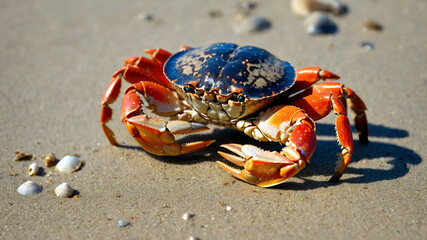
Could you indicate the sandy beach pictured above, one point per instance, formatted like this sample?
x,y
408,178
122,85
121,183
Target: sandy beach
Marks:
x,y
58,57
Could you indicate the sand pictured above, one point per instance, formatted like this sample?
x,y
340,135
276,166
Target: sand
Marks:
x,y
58,57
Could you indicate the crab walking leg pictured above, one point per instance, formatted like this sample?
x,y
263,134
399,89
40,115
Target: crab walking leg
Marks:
x,y
154,135
159,55
355,103
308,76
287,124
135,69
318,106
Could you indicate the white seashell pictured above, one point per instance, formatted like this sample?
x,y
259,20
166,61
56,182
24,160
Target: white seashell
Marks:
x,y
64,190
29,188
123,223
305,7
33,169
188,216
69,164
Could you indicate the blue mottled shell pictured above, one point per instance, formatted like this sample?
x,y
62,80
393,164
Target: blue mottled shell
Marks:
x,y
227,68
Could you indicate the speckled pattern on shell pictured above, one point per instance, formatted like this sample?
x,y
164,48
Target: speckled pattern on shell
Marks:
x,y
228,68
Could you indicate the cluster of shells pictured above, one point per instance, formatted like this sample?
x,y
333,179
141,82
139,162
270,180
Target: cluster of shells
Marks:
x,y
67,164
317,14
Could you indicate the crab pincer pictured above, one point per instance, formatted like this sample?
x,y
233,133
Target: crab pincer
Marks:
x,y
157,136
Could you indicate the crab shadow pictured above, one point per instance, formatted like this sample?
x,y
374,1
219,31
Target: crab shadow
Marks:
x,y
397,159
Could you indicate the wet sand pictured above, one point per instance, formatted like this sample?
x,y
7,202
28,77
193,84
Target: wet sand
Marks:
x,y
57,59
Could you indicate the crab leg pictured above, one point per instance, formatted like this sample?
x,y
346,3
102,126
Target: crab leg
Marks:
x,y
135,69
159,55
264,168
318,106
356,104
154,135
308,76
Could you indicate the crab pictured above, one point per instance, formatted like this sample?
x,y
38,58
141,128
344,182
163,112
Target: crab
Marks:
x,y
240,87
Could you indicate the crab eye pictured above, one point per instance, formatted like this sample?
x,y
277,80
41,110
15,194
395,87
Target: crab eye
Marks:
x,y
241,98
234,96
189,88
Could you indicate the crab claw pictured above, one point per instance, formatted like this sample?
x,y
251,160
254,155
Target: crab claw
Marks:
x,y
262,168
157,136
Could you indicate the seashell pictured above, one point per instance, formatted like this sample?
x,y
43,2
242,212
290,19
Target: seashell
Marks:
x,y
188,216
20,156
29,188
371,25
252,24
123,223
320,23
64,190
33,169
50,160
367,45
69,164
303,8
248,5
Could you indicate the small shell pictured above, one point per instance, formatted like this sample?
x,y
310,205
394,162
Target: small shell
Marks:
x,y
64,190
188,216
29,188
123,223
320,23
50,160
20,156
371,25
33,169
69,164
303,8
367,45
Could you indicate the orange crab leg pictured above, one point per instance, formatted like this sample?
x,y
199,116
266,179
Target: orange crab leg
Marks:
x,y
143,66
308,76
183,48
159,55
356,104
318,106
155,135
135,69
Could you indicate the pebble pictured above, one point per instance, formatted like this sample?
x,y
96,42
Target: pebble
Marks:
x,y
145,16
371,25
252,24
367,45
320,23
248,5
215,13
